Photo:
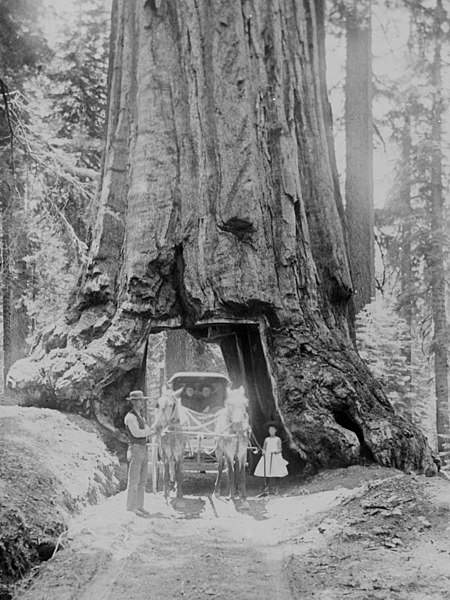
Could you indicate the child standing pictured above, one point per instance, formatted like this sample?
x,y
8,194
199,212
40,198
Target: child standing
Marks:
x,y
271,465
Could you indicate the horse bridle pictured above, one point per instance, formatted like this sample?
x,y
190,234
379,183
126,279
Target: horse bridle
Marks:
x,y
245,430
171,416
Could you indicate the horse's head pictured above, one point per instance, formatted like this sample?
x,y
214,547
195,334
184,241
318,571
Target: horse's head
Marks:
x,y
168,410
236,405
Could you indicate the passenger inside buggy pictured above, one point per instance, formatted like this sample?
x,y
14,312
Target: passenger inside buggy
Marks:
x,y
190,398
203,397
212,400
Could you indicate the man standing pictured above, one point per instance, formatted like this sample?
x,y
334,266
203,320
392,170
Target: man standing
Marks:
x,y
137,431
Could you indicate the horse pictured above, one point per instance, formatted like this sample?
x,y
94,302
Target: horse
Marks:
x,y
233,433
171,421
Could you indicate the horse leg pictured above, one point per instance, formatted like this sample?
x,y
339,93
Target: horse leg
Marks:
x,y
171,465
236,476
166,479
220,465
243,481
179,479
230,478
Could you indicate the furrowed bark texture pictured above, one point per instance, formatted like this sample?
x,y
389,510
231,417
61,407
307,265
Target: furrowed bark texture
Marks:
x,y
359,144
219,206
435,258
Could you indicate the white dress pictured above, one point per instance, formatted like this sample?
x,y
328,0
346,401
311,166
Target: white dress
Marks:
x,y
272,464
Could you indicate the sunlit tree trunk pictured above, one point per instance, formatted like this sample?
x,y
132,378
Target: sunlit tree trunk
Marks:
x,y
406,275
6,278
219,213
6,192
15,317
406,281
179,352
183,352
435,257
20,320
359,150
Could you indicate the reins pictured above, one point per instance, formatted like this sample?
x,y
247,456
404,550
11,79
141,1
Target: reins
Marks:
x,y
204,426
169,420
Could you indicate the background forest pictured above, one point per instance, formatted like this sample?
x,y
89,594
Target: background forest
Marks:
x,y
392,146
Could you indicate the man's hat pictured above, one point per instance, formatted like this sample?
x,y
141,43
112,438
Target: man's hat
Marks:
x,y
136,395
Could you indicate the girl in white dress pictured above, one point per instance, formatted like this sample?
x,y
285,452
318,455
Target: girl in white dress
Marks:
x,y
271,465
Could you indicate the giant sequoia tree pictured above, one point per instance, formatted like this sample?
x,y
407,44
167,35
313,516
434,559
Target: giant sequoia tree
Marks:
x,y
219,213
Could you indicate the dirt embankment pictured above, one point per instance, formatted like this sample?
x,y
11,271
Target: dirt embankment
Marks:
x,y
363,533
52,465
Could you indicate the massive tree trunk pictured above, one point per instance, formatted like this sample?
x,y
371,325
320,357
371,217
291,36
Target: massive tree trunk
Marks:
x,y
219,213
359,150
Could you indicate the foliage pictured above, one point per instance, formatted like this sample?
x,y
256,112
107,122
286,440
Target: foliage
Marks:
x,y
22,45
47,249
410,46
76,84
384,342
22,48
56,113
416,246
52,267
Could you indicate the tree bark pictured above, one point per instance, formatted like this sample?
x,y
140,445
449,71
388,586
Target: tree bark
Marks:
x,y
183,352
359,150
406,254
219,213
436,253
6,278
406,278
6,194
178,352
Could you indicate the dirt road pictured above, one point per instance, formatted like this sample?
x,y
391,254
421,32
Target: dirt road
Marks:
x,y
206,549
335,542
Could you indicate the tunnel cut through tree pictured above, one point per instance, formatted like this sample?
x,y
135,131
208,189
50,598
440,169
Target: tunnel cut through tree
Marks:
x,y
219,213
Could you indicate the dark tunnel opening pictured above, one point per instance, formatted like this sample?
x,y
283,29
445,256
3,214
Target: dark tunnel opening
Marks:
x,y
345,420
246,364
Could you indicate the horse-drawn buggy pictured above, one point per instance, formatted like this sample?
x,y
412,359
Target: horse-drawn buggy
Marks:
x,y
201,425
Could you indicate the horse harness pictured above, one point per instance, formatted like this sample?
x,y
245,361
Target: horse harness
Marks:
x,y
245,432
170,420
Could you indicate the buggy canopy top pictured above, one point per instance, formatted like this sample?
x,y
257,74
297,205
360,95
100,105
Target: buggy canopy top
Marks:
x,y
197,377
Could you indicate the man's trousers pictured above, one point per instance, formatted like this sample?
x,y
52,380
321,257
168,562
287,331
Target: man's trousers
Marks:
x,y
137,476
